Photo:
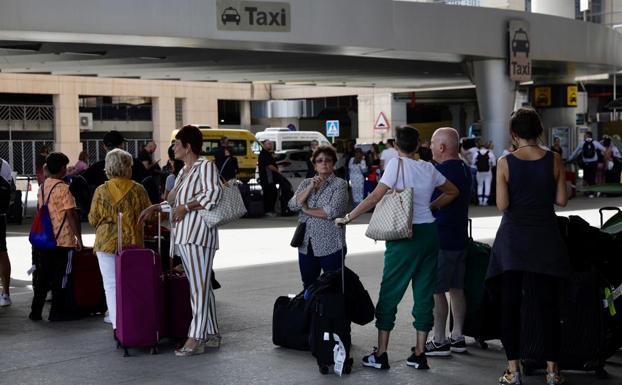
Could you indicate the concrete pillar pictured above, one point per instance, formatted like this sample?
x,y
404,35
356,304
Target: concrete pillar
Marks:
x,y
245,114
200,109
369,108
561,8
163,112
495,97
66,125
456,121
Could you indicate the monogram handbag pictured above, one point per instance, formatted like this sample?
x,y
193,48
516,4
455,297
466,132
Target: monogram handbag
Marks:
x,y
229,207
392,217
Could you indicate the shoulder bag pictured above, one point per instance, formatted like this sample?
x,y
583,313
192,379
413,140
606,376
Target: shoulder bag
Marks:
x,y
392,217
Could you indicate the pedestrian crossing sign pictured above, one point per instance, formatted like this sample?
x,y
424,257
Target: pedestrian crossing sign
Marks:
x,y
332,128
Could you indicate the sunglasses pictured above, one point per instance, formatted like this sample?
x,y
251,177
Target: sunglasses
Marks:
x,y
323,160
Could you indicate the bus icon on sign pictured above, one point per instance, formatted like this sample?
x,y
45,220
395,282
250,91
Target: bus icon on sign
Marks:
x,y
230,15
520,42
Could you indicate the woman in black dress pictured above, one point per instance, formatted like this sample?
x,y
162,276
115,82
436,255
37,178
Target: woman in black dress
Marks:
x,y
528,246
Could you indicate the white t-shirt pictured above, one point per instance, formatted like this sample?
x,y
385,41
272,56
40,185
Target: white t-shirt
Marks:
x,y
422,176
388,154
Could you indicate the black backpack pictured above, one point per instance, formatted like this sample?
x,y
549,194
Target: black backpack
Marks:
x,y
589,150
7,193
482,162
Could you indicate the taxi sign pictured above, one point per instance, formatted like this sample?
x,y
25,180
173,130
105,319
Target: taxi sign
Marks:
x,y
332,128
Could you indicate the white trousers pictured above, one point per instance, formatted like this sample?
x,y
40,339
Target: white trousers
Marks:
x,y
484,179
197,262
107,268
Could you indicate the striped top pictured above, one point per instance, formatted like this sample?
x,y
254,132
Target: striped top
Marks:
x,y
201,184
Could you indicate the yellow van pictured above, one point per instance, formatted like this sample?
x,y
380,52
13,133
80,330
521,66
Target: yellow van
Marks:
x,y
240,140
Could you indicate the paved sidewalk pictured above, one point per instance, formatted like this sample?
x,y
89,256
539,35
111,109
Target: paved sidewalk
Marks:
x,y
83,352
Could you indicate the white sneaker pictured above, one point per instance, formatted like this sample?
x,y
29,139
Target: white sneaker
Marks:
x,y
271,214
107,318
5,300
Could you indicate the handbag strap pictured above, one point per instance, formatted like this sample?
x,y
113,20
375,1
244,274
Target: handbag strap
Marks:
x,y
400,167
60,228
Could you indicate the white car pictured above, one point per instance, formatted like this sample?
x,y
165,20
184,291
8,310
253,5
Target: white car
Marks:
x,y
292,163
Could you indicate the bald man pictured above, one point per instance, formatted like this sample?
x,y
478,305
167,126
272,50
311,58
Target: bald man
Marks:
x,y
451,221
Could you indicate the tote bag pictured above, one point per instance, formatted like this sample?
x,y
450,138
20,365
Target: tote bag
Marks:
x,y
392,217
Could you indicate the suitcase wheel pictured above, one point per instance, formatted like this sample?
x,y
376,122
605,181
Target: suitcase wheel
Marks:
x,y
125,352
323,369
154,350
601,373
482,344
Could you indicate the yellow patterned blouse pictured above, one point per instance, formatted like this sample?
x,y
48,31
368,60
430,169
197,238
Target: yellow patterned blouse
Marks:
x,y
114,196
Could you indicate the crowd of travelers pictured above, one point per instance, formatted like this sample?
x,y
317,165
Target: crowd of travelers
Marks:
x,y
443,174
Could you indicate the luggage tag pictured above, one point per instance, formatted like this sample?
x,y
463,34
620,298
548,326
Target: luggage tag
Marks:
x,y
610,297
339,353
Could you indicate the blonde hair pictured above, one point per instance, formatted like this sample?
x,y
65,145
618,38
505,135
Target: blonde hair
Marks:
x,y
118,164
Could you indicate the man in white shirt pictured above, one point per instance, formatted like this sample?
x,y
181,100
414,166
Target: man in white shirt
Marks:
x,y
5,264
388,153
589,157
483,161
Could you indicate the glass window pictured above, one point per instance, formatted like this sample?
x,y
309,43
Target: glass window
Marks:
x,y
296,145
210,146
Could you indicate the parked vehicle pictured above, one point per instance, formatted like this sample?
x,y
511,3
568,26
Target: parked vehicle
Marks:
x,y
242,142
285,139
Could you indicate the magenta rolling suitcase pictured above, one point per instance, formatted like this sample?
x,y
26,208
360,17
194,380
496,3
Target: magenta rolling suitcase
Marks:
x,y
139,297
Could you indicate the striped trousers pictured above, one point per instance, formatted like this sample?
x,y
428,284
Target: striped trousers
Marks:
x,y
197,261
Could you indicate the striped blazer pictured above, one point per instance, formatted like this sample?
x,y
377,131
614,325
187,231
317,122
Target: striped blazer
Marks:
x,y
201,184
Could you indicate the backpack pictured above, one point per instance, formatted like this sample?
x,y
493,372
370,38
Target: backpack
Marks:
x,y
482,162
589,150
42,232
7,193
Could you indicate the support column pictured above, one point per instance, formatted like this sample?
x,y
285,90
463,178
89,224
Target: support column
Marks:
x,y
561,8
495,97
200,109
456,121
66,125
163,111
369,107
245,114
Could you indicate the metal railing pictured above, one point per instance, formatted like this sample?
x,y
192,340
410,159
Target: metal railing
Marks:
x,y
21,154
96,151
24,112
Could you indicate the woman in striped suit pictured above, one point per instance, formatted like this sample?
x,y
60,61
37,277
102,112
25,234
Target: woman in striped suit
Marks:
x,y
196,187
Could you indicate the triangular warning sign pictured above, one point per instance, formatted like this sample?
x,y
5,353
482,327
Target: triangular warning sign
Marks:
x,y
382,123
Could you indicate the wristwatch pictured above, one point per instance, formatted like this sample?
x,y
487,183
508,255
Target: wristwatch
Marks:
x,y
347,218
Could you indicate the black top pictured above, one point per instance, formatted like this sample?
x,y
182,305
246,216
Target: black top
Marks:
x,y
229,167
528,238
266,159
95,174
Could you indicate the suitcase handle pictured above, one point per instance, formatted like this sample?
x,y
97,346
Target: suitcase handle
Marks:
x,y
470,228
607,208
343,260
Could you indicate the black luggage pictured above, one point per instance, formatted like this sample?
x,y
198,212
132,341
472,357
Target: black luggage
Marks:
x,y
253,199
590,303
290,322
286,193
15,213
482,320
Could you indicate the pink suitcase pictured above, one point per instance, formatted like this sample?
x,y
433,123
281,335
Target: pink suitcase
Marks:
x,y
139,297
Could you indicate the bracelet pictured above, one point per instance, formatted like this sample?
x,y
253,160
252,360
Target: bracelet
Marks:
x,y
187,208
347,217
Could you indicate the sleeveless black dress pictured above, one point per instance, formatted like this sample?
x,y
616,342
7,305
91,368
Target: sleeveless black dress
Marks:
x,y
528,238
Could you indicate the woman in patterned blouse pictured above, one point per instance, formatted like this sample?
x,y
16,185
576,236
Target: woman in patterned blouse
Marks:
x,y
320,200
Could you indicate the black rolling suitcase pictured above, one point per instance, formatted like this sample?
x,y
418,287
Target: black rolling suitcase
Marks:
x,y
253,199
482,321
590,303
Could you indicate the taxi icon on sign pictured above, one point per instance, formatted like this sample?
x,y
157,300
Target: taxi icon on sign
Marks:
x,y
230,15
520,42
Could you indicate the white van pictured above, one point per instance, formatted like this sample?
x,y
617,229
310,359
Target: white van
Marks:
x,y
285,139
